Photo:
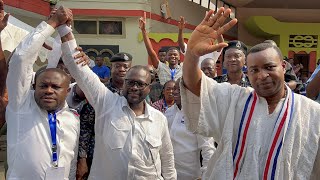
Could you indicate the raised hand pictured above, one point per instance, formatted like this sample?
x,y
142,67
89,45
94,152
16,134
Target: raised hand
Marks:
x,y
181,23
60,16
203,38
82,56
142,22
3,18
220,40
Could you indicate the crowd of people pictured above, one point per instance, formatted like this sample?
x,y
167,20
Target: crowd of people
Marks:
x,y
167,120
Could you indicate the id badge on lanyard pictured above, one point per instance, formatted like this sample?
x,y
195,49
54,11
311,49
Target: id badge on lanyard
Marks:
x,y
53,132
173,73
54,172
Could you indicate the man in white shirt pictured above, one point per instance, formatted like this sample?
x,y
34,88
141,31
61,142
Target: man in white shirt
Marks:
x,y
165,73
132,140
187,145
42,131
262,132
183,46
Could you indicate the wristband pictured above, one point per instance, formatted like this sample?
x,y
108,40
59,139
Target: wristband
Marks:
x,y
64,30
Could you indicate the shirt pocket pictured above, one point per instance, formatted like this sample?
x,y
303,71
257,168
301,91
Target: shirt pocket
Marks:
x,y
154,146
116,135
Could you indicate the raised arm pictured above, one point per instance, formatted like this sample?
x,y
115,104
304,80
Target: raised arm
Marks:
x,y
86,79
313,88
21,64
203,41
181,26
153,55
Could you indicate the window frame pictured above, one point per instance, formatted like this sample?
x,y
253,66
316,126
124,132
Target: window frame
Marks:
x,y
98,20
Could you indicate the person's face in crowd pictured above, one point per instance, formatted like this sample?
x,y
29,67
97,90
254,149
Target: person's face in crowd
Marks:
x,y
208,67
168,91
162,56
152,72
99,61
234,60
119,70
266,72
51,89
176,93
173,57
136,86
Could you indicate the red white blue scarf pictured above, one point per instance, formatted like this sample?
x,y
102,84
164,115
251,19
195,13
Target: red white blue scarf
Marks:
x,y
280,128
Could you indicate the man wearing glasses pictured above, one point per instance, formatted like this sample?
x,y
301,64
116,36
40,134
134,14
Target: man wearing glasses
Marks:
x,y
120,64
132,140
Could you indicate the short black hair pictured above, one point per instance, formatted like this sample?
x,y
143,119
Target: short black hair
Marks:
x,y
162,50
164,86
264,46
173,49
140,67
57,70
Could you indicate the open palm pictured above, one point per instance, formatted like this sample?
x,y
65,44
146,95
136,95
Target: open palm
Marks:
x,y
203,38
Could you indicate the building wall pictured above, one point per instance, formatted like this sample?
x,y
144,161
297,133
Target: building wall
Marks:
x,y
192,12
128,10
131,11
283,15
128,44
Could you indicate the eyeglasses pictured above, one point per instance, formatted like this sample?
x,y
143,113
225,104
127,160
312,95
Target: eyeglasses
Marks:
x,y
140,85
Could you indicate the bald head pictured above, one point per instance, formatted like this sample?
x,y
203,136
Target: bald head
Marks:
x,y
142,69
43,70
208,66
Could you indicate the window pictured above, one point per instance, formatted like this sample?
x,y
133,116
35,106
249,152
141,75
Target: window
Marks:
x,y
99,27
212,6
233,13
110,27
205,3
219,4
85,27
216,4
196,1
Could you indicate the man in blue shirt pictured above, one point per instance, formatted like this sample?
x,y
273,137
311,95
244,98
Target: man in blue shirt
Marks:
x,y
101,70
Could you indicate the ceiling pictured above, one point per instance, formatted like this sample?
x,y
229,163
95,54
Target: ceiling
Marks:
x,y
285,4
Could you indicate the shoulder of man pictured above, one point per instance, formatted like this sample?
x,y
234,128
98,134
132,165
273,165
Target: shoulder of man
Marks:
x,y
74,113
154,113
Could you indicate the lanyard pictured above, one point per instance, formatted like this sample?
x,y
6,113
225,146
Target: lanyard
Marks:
x,y
165,104
173,72
53,131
